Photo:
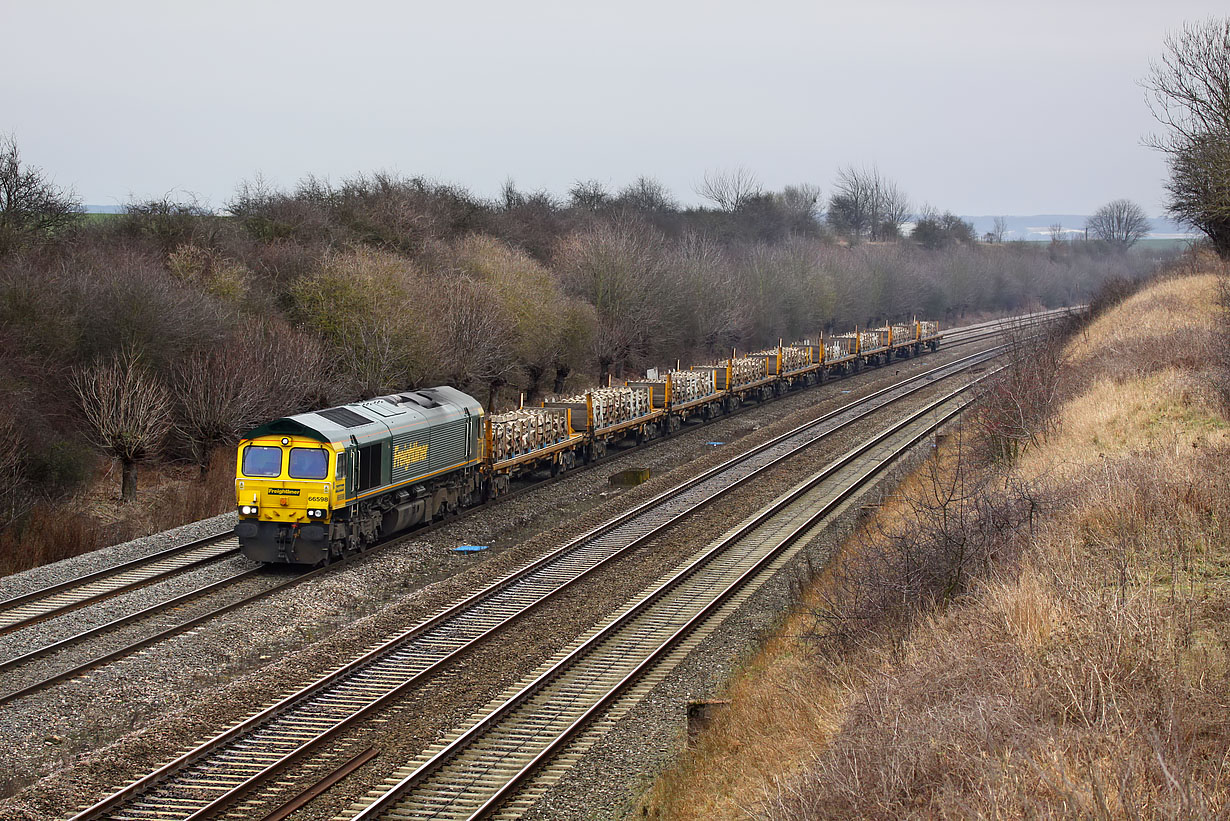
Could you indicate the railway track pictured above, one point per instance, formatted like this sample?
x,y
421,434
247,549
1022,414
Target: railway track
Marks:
x,y
53,600
475,772
202,781
963,336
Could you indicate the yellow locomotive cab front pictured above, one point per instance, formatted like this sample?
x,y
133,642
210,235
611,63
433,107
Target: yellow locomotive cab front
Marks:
x,y
285,490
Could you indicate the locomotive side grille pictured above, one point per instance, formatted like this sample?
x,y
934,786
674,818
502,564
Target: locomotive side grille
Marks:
x,y
448,444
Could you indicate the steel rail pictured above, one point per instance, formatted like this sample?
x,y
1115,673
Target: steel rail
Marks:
x,y
320,787
334,679
501,752
140,644
56,599
183,598
8,604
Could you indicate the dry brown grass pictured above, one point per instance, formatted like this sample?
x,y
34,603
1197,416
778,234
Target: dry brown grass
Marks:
x,y
1090,678
1135,331
1090,684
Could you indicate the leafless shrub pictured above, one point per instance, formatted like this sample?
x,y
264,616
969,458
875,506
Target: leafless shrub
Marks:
x,y
127,409
32,208
646,195
12,469
209,270
802,202
730,190
475,340
618,269
356,300
47,533
171,221
1017,407
962,524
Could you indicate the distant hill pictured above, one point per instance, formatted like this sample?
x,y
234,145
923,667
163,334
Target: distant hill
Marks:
x,y
1038,226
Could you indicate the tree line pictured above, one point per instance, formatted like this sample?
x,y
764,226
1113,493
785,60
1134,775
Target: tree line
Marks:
x,y
167,330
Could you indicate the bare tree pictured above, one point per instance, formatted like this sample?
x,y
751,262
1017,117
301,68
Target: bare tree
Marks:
x,y
864,204
218,394
589,195
646,194
618,269
892,210
475,337
730,190
12,468
371,353
712,310
801,200
998,229
1056,231
32,208
128,411
1120,222
851,208
1189,94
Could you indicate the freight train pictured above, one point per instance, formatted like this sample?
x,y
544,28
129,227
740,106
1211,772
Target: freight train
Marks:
x,y
318,486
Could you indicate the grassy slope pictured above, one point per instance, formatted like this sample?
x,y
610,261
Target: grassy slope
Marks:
x,y
1091,678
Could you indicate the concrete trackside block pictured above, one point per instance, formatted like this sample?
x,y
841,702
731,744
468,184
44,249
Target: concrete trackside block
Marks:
x,y
701,715
629,478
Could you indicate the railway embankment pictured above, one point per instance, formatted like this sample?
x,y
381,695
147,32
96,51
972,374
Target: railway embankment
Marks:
x,y
1033,624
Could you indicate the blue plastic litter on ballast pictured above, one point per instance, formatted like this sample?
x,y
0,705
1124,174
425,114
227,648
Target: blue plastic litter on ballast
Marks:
x,y
715,444
469,548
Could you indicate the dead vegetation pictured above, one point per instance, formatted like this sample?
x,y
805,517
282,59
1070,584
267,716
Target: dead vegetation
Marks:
x,y
1043,635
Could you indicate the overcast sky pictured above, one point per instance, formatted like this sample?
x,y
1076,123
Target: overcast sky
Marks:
x,y
977,107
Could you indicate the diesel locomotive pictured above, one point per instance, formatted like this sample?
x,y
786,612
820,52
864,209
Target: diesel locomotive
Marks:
x,y
316,486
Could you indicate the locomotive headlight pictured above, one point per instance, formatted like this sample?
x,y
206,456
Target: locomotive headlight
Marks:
x,y
248,510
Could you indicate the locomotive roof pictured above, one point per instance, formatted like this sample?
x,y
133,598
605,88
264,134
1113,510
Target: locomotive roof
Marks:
x,y
375,419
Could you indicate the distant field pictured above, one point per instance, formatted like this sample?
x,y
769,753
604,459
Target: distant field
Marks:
x,y
90,219
1166,244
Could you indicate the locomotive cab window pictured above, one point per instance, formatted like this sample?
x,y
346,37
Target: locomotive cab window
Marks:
x,y
339,475
309,463
262,461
